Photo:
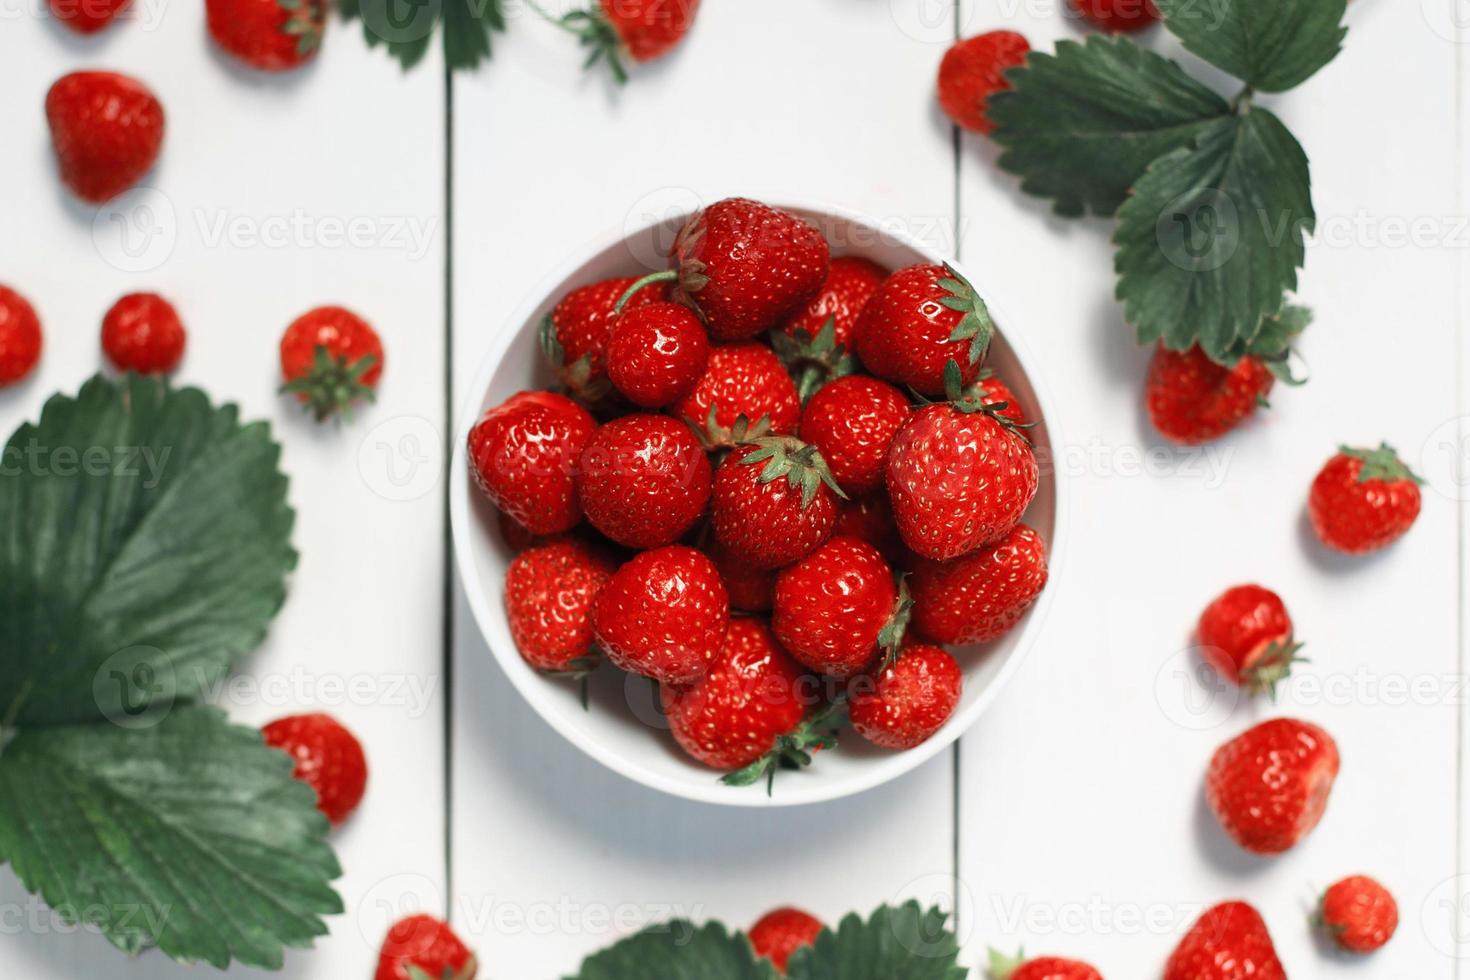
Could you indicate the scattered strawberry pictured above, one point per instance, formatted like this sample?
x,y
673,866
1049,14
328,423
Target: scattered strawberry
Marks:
x,y
87,16
920,319
643,480
1118,15
781,932
20,337
908,700
744,393
1246,635
664,615
1269,786
852,422
1229,942
524,452
773,501
833,606
331,358
980,596
751,589
993,391
143,333
1192,399
642,30
328,758
816,344
870,518
1363,500
575,334
106,129
657,354
422,947
550,592
274,35
1359,914
972,71
958,477
1041,968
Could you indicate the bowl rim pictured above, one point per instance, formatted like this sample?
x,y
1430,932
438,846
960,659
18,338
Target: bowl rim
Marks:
x,y
879,771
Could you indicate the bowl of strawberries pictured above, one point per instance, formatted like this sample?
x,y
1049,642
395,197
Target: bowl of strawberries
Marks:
x,y
766,523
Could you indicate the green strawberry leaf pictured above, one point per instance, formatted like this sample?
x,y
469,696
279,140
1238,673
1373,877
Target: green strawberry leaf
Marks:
x,y
1271,45
678,950
1210,242
187,833
144,545
406,27
1080,127
908,942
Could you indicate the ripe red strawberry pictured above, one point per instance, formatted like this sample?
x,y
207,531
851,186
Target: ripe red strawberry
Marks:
x,y
513,533
773,501
20,337
908,700
524,452
751,589
1269,786
749,712
1228,942
1041,968
744,393
781,932
143,333
851,282
328,758
993,391
274,35
575,334
642,30
1359,914
106,129
1118,15
833,607
664,614
852,422
920,319
643,480
870,518
550,592
657,354
331,358
422,947
1192,399
980,596
1246,635
972,71
1363,500
87,16
958,477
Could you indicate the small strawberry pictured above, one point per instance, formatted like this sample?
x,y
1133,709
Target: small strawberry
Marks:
x,y
816,344
643,480
331,358
328,758
1269,786
958,477
751,589
1359,914
575,334
1192,399
920,319
1118,15
273,35
657,354
781,932
833,608
1246,635
106,130
524,452
422,947
1228,942
143,333
774,501
744,393
972,71
87,16
980,596
852,422
1363,500
664,615
990,389
907,700
641,30
550,592
1004,967
870,518
20,337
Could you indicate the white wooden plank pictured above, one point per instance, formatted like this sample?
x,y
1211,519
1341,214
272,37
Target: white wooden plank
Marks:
x,y
261,179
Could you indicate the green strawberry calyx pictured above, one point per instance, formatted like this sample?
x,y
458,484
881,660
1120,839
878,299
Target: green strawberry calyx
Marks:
x,y
580,670
416,972
1272,667
795,749
577,376
971,400
1001,966
1382,463
333,384
596,32
976,324
813,361
798,463
890,638
305,22
713,435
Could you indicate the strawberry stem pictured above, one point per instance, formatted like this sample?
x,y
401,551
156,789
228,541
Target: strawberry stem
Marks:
x,y
794,750
668,275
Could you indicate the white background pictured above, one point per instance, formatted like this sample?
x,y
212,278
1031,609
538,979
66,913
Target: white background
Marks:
x,y
1071,816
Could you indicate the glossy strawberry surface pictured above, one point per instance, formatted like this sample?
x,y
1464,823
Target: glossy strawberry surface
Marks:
x,y
767,523
328,758
1228,942
643,480
852,422
551,591
142,332
650,29
1269,786
664,615
902,705
422,946
972,71
1359,914
980,596
524,453
903,335
831,605
1192,399
851,282
268,34
741,381
1363,500
1246,635
657,354
576,333
107,131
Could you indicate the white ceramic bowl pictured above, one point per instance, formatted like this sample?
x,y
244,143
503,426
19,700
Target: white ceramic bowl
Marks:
x,y
623,730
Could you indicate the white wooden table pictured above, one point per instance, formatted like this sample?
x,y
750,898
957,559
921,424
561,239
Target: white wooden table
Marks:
x,y
1070,818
